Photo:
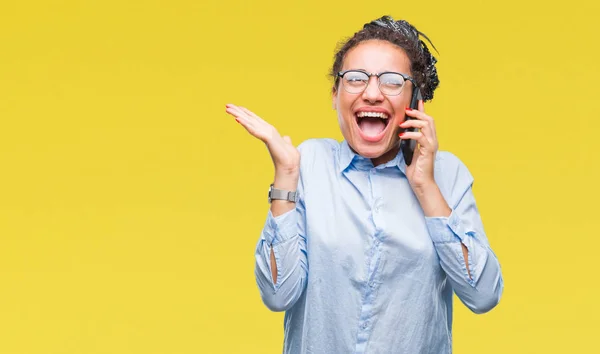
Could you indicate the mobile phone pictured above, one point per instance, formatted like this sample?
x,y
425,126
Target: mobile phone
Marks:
x,y
408,146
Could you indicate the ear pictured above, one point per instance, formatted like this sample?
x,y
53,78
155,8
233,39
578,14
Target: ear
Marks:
x,y
334,98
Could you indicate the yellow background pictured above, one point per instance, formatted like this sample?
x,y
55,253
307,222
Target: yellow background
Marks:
x,y
130,203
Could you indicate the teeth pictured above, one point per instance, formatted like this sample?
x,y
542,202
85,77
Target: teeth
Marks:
x,y
372,114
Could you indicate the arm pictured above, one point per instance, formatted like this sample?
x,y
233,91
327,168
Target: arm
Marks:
x,y
287,182
281,263
457,232
465,254
281,260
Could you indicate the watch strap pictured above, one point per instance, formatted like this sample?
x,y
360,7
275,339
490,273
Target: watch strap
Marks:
x,y
280,194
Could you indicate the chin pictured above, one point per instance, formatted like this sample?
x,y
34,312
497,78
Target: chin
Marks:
x,y
370,151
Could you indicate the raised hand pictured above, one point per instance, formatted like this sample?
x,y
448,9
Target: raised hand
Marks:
x,y
286,158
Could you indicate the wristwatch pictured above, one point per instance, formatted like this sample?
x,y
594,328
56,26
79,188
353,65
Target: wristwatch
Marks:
x,y
280,194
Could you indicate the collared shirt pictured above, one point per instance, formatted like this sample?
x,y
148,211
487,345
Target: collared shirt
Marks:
x,y
361,269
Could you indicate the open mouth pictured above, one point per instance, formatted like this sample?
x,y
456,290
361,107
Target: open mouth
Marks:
x,y
371,125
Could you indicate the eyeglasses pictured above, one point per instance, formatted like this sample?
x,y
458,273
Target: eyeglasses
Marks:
x,y
390,83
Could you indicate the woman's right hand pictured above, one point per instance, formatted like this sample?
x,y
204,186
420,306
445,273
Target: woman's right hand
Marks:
x,y
286,158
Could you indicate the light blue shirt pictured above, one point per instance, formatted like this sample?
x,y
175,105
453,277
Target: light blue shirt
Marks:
x,y
360,269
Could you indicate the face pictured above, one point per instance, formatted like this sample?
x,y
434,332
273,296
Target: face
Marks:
x,y
373,137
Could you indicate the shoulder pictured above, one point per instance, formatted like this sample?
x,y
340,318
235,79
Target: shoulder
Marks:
x,y
318,149
319,145
452,176
449,165
318,156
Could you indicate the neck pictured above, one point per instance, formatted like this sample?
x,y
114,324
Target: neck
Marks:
x,y
388,156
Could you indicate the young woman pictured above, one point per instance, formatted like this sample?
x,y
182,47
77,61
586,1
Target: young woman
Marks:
x,y
365,241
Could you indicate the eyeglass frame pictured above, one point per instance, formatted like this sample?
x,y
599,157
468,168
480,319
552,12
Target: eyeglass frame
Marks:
x,y
378,75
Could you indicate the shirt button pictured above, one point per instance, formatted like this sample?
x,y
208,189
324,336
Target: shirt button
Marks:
x,y
365,325
372,284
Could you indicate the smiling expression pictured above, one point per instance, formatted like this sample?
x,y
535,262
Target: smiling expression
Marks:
x,y
369,120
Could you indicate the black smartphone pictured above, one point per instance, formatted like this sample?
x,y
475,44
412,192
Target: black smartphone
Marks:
x,y
408,146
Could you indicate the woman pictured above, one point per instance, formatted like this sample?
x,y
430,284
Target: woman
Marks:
x,y
364,243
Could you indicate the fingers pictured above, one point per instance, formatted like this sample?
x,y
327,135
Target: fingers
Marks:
x,y
242,112
424,126
235,111
419,114
249,122
424,143
421,121
240,116
285,156
251,114
413,123
254,124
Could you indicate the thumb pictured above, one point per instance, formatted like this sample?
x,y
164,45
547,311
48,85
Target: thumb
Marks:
x,y
287,139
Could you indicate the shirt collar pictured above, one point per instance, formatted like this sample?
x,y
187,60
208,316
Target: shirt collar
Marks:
x,y
347,157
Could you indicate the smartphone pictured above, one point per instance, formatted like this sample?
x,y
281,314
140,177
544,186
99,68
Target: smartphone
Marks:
x,y
408,146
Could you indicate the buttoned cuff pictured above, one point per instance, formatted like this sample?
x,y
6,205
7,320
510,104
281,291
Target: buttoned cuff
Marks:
x,y
281,228
449,231
445,229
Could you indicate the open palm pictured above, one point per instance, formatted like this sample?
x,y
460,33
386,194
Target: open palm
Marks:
x,y
285,156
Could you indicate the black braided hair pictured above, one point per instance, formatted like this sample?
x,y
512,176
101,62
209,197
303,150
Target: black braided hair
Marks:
x,y
404,35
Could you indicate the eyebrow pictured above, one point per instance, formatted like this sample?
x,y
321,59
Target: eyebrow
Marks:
x,y
384,71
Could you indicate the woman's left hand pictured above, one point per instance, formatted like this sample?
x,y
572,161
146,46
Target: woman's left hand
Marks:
x,y
420,171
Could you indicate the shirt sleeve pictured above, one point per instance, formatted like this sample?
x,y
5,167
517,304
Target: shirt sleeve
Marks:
x,y
482,289
285,235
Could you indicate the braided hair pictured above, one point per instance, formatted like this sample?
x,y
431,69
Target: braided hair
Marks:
x,y
404,35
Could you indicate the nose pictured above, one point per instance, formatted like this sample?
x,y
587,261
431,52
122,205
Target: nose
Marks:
x,y
372,93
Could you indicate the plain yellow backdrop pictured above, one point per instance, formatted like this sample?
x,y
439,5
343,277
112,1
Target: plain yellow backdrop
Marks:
x,y
130,203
